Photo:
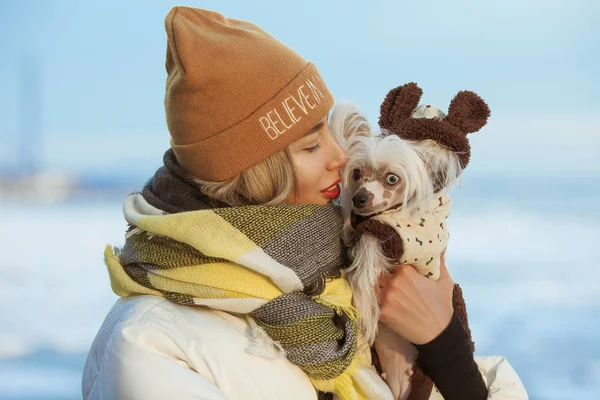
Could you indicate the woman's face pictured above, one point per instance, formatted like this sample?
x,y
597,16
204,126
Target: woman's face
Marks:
x,y
318,159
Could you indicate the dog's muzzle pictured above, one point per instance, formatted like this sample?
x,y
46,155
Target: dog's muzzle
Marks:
x,y
361,198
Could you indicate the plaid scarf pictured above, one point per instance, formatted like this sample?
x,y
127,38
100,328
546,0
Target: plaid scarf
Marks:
x,y
280,265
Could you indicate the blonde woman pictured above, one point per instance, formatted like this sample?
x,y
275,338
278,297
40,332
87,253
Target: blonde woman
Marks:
x,y
231,276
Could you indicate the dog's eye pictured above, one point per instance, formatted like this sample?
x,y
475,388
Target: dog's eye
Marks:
x,y
392,179
356,174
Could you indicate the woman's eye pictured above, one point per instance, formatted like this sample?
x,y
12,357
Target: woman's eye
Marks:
x,y
314,148
356,174
392,179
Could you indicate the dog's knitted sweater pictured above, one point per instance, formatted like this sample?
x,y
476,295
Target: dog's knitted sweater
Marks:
x,y
418,240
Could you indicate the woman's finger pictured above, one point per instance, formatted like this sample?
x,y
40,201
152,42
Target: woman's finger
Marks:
x,y
444,273
383,280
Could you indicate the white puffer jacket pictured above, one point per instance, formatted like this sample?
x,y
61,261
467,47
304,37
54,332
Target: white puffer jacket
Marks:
x,y
149,348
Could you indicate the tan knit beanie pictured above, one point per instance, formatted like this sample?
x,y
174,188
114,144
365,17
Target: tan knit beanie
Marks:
x,y
235,95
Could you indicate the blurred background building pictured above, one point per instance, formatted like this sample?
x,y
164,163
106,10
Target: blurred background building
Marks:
x,y
82,124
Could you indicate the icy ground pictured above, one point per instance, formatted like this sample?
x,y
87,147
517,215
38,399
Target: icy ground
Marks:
x,y
531,279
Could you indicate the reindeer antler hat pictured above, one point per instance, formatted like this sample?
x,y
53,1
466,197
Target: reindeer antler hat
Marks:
x,y
402,115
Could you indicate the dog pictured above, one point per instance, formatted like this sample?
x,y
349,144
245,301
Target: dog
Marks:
x,y
395,203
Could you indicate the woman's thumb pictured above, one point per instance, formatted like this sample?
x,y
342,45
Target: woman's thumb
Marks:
x,y
444,273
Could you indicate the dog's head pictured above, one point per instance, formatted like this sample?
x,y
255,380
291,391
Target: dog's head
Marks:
x,y
384,173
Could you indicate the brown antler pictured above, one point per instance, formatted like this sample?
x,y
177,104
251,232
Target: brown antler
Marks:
x,y
399,104
468,112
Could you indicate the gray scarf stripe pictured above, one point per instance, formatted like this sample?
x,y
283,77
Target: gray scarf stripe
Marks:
x,y
310,255
289,308
320,353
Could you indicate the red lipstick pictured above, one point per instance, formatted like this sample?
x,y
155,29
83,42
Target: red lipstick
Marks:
x,y
333,191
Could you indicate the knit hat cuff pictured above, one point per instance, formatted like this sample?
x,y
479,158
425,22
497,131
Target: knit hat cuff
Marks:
x,y
283,119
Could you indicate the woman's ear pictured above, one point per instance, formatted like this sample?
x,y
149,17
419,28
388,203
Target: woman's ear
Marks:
x,y
399,105
468,112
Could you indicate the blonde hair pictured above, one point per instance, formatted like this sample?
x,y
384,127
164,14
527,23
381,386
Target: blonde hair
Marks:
x,y
269,182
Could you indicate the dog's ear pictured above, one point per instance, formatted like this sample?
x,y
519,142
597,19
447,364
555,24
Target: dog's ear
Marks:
x,y
399,104
468,112
347,120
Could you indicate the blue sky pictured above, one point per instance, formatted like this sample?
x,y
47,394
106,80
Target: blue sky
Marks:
x,y
102,74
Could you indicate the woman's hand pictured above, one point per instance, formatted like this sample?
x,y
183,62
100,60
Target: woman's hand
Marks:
x,y
415,307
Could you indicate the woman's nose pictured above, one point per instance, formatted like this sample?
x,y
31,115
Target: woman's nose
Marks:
x,y
339,158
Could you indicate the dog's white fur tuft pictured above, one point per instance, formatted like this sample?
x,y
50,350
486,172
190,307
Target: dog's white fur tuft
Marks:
x,y
442,163
367,252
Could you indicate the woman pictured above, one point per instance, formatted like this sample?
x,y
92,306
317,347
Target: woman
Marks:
x,y
239,221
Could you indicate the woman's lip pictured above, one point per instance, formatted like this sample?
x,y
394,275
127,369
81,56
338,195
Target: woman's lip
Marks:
x,y
333,193
331,186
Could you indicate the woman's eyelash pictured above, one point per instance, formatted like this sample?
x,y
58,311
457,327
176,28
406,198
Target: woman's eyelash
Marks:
x,y
314,148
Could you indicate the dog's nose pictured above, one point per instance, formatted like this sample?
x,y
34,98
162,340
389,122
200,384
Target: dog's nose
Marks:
x,y
360,199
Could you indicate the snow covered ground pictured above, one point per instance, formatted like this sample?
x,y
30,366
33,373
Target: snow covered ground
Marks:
x,y
530,274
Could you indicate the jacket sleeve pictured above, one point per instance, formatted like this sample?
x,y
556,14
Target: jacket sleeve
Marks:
x,y
134,365
449,361
501,379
